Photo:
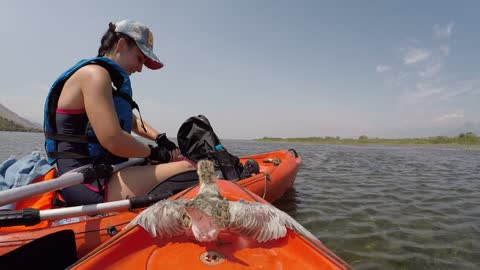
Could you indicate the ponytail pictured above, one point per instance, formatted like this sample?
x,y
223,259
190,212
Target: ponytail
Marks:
x,y
110,38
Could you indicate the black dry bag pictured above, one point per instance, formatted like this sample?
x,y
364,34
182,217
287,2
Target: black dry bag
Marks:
x,y
197,140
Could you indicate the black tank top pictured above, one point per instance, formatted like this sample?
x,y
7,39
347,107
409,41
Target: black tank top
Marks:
x,y
71,122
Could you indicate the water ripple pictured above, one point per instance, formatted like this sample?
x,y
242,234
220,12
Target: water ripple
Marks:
x,y
377,207
387,207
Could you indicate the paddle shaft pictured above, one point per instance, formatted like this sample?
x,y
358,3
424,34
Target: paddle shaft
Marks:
x,y
100,208
30,216
70,179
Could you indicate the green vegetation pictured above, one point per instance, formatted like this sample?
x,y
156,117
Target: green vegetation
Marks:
x,y
463,139
9,125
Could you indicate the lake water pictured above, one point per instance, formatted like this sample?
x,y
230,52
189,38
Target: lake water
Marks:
x,y
377,207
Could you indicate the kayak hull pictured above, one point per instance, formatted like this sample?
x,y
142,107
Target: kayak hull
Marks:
x,y
273,181
136,249
277,178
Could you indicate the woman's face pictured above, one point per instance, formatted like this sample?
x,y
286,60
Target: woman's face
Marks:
x,y
131,58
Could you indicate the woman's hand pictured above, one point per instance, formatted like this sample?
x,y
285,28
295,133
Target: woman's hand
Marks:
x,y
175,155
162,140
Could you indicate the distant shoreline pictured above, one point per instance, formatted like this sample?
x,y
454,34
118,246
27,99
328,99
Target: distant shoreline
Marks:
x,y
463,140
10,125
22,130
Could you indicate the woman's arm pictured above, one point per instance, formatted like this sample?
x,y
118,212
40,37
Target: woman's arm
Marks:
x,y
137,128
151,134
96,88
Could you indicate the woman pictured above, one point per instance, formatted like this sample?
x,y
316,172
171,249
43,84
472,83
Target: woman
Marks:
x,y
87,120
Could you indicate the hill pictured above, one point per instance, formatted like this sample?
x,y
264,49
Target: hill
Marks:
x,y
10,121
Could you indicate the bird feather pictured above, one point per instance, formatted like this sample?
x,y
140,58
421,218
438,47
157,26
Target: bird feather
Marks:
x,y
163,219
262,222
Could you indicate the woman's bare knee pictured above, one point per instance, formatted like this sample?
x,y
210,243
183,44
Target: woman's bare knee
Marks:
x,y
164,171
138,180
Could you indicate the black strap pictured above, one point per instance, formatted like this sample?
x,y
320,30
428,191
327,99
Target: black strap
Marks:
x,y
132,103
126,97
100,170
66,155
115,75
71,138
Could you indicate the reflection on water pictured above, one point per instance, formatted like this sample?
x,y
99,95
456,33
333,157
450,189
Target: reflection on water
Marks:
x,y
288,202
377,207
388,207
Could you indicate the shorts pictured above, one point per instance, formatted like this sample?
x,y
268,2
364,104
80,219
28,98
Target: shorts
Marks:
x,y
81,195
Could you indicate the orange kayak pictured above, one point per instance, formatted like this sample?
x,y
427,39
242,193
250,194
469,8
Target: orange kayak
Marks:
x,y
134,248
278,170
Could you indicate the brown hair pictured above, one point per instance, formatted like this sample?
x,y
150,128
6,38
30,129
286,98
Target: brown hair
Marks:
x,y
110,38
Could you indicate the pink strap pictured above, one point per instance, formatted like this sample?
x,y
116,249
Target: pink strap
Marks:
x,y
65,111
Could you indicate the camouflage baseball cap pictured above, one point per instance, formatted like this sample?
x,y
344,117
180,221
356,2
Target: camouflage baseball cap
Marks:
x,y
144,39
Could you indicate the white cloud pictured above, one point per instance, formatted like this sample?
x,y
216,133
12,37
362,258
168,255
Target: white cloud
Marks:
x,y
423,92
443,31
426,90
465,87
449,116
431,91
445,50
430,70
414,55
382,68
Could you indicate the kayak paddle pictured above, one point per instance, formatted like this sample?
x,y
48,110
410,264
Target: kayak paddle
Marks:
x,y
81,175
31,216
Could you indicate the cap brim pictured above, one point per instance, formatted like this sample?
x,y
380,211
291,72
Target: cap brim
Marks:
x,y
151,61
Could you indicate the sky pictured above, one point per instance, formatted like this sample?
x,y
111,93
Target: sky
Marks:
x,y
390,69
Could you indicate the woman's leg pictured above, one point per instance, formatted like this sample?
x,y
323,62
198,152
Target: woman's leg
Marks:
x,y
139,180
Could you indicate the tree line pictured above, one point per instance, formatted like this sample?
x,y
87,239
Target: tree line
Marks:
x,y
468,138
9,125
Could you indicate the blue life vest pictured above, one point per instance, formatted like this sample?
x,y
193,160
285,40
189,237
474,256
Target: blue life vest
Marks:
x,y
122,96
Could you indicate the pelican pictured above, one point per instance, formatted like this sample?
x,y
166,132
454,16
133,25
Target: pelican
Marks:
x,y
208,213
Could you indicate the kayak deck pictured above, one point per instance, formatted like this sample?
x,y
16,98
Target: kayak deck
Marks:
x,y
274,179
134,248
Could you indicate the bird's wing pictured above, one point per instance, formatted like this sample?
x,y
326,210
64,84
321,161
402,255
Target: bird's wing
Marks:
x,y
263,222
163,219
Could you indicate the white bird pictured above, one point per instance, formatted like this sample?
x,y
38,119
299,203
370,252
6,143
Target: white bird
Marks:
x,y
208,213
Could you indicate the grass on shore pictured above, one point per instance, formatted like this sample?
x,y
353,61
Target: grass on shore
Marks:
x,y
463,139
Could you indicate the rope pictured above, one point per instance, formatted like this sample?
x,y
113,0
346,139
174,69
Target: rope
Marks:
x,y
276,162
266,178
